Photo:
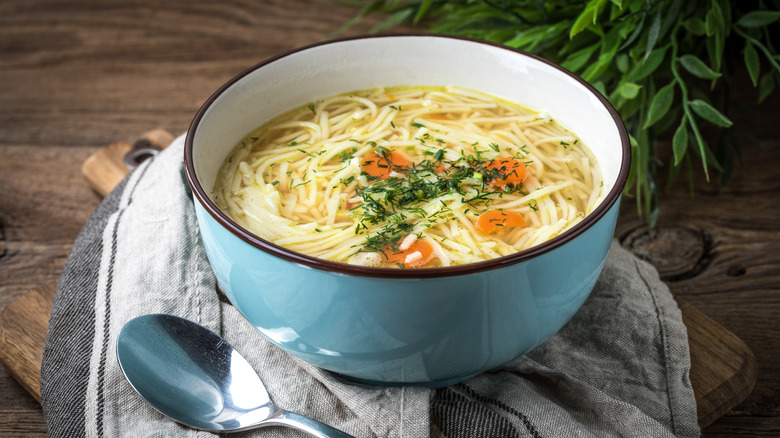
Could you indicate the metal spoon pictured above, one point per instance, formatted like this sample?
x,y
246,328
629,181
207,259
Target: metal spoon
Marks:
x,y
193,376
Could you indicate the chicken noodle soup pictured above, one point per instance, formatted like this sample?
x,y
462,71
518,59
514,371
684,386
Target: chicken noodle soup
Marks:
x,y
409,177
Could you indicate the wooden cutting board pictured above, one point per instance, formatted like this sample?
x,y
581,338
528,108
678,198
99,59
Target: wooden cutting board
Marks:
x,y
723,369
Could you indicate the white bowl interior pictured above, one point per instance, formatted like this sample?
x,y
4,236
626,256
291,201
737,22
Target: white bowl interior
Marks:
x,y
300,77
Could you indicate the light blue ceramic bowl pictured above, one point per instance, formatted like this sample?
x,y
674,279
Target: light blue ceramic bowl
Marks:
x,y
426,326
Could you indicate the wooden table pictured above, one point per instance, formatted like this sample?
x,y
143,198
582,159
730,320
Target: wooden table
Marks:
x,y
77,76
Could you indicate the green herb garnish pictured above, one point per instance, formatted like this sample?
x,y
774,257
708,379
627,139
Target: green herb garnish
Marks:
x,y
347,154
396,204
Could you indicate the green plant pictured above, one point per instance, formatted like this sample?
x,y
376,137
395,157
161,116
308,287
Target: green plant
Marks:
x,y
665,65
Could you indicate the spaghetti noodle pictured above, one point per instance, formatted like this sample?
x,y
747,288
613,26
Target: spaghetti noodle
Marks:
x,y
409,177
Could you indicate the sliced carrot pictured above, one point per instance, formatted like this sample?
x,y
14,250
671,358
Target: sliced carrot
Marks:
x,y
493,220
390,96
512,169
381,166
419,245
440,168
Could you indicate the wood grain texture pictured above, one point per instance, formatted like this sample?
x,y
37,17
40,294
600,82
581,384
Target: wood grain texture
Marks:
x,y
105,168
23,326
78,75
723,369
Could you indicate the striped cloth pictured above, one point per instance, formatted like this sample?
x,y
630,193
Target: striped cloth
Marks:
x,y
619,368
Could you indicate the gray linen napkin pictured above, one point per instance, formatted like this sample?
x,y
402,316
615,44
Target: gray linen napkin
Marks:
x,y
619,368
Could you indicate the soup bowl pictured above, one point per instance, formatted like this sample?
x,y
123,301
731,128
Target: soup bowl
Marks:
x,y
430,326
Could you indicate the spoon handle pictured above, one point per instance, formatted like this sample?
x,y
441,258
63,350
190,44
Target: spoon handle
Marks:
x,y
305,424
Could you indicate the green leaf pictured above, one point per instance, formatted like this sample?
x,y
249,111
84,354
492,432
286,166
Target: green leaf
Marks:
x,y
621,61
660,105
714,20
595,69
715,51
648,65
671,16
752,63
635,34
765,86
365,10
600,87
756,19
628,90
680,142
394,20
588,16
709,113
628,108
618,3
702,146
578,59
697,67
624,27
635,6
652,34
425,5
611,41
615,12
695,26
581,22
528,39
669,119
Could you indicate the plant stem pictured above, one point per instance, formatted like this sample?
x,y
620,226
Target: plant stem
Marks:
x,y
758,44
688,115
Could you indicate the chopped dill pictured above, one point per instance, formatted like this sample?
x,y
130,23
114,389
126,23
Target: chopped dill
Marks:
x,y
310,154
303,183
396,204
347,155
347,181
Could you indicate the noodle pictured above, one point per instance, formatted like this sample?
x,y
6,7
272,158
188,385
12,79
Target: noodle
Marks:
x,y
409,177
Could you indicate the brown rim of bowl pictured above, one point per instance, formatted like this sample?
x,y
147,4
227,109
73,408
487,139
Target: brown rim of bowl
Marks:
x,y
344,268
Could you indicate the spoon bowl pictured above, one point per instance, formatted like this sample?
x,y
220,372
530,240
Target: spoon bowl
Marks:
x,y
196,378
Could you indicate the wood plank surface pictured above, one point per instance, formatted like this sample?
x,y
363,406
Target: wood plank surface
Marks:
x,y
23,326
76,76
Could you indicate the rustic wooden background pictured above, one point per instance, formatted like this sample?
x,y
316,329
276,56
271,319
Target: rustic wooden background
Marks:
x,y
76,76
